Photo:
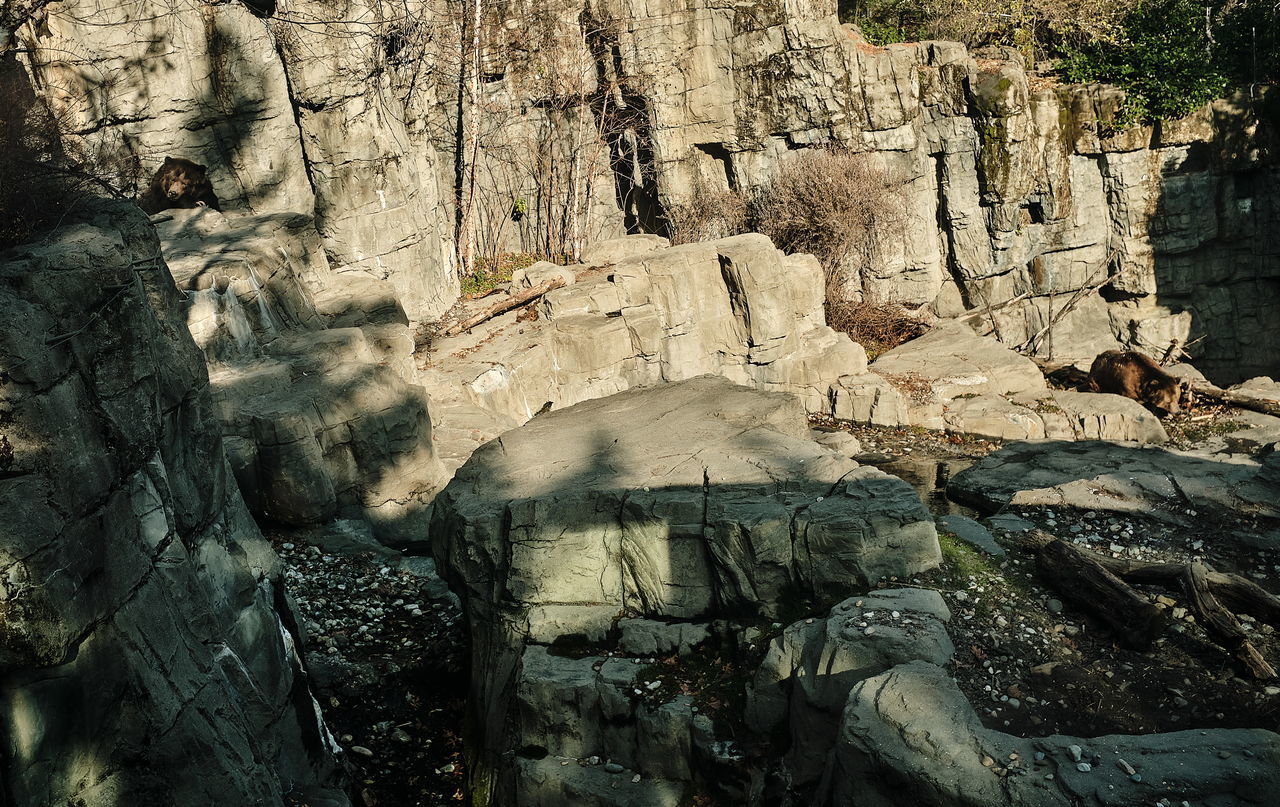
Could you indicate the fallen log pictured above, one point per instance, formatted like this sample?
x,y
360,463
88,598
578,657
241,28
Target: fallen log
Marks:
x,y
1133,618
503,306
1209,591
1243,400
1222,625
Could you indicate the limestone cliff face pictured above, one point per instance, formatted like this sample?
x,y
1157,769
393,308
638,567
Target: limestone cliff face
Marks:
x,y
587,119
148,651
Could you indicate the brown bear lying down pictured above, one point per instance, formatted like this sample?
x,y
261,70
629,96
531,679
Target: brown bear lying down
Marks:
x,y
1135,375
179,183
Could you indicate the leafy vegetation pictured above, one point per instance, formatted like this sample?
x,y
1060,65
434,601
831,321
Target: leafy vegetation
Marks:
x,y
492,271
1171,56
1162,60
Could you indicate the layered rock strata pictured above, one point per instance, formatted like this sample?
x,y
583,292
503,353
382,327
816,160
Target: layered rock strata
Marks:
x,y
686,504
644,313
312,373
1021,197
150,654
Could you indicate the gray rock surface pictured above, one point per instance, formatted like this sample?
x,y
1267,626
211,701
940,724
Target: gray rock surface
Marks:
x,y
150,652
908,736
956,361
1016,195
971,532
1096,416
683,502
1256,434
809,670
311,371
1160,482
736,307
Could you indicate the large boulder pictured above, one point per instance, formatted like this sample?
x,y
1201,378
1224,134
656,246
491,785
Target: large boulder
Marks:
x,y
149,652
956,361
685,502
806,676
909,736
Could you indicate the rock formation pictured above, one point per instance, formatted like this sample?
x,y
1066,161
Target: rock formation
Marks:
x,y
1173,486
149,650
311,373
645,314
1022,196
687,503
895,750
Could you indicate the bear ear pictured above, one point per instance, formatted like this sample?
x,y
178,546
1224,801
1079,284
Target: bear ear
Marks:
x,y
169,161
200,168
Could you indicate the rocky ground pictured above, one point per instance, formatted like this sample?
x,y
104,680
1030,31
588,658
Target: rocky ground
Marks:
x,y
387,657
389,660
1037,663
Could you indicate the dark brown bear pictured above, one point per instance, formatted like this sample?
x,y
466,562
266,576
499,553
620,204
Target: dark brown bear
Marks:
x,y
1135,375
179,183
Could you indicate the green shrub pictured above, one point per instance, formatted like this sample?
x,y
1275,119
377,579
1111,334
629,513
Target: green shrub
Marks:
x,y
1163,60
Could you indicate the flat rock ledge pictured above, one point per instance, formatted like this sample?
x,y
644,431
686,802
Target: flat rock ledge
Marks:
x,y
1174,486
681,505
909,736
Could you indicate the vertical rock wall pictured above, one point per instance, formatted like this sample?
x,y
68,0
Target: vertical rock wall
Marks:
x,y
148,651
593,117
145,79
379,206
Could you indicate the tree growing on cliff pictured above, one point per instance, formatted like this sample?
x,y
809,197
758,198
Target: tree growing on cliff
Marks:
x,y
1036,28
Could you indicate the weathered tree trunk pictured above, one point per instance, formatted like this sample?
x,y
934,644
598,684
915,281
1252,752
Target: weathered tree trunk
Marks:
x,y
1242,400
1206,588
1134,619
502,306
1222,625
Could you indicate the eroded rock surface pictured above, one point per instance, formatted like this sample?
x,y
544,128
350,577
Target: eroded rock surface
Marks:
x,y
1020,196
908,736
688,502
1171,485
736,307
312,373
149,651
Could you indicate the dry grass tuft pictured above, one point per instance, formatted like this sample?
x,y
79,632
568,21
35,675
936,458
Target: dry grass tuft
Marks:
x,y
709,213
878,327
